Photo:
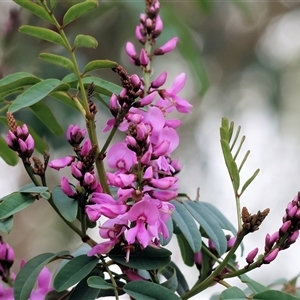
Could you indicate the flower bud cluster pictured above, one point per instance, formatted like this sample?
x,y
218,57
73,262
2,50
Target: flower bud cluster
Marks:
x,y
81,165
7,256
282,238
19,139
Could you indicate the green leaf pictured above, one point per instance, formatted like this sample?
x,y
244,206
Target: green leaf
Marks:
x,y
145,290
43,34
208,224
37,92
169,225
73,271
85,41
97,282
53,3
6,224
101,86
254,286
186,251
182,286
44,113
17,80
187,225
247,183
100,64
57,60
274,295
54,295
14,203
64,98
32,189
77,10
67,206
7,154
218,216
147,259
233,293
28,274
170,274
36,9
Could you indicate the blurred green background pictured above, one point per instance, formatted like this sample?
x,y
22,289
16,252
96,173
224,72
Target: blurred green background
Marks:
x,y
242,62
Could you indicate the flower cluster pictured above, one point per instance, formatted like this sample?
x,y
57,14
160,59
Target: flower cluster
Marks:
x,y
284,237
81,164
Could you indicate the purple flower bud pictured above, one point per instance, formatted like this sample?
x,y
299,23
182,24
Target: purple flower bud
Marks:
x,y
143,18
7,255
148,173
167,47
76,171
163,195
250,257
10,138
198,259
161,149
292,212
22,146
149,24
130,141
292,239
130,49
139,35
158,26
86,147
24,130
123,93
160,80
144,60
271,256
163,183
147,99
176,165
66,187
285,227
113,105
60,163
230,243
75,134
136,81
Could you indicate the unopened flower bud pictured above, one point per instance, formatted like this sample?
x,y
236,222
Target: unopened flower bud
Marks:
x,y
230,243
66,187
271,256
60,163
167,47
158,27
144,60
292,212
250,257
160,80
7,255
285,227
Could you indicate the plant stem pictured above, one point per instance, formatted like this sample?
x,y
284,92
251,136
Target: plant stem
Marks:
x,y
30,173
111,278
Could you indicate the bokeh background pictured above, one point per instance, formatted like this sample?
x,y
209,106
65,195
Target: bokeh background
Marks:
x,y
242,59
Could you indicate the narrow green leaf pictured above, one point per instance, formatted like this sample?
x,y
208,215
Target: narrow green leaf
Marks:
x,y
97,282
44,113
14,203
169,225
146,290
28,274
37,92
17,80
147,259
254,286
36,9
187,225
233,293
248,182
182,286
235,175
170,274
54,295
230,131
43,34
100,64
64,98
77,10
53,3
8,155
57,60
186,251
73,271
274,295
225,124
32,189
67,207
224,134
102,86
6,224
71,79
85,41
208,224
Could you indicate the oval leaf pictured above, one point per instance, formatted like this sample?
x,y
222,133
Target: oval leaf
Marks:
x,y
233,293
14,203
83,291
148,291
77,10
253,285
186,251
57,60
187,225
97,282
28,274
8,155
73,271
64,98
208,224
86,41
36,9
37,92
100,64
43,34
274,295
44,113
182,286
67,207
32,189
171,283
17,80
147,259
6,224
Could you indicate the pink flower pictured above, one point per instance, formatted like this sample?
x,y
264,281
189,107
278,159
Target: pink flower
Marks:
x,y
66,187
167,47
43,285
60,163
